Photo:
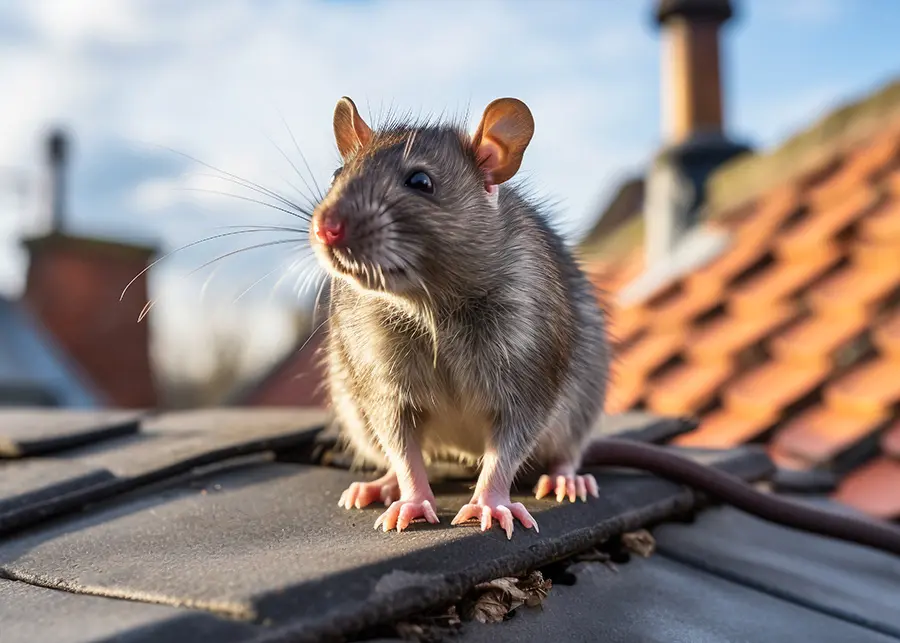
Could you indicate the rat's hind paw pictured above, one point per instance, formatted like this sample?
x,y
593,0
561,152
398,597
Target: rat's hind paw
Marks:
x,y
402,512
361,494
567,485
501,509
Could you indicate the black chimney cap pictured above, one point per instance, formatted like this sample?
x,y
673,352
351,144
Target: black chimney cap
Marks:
x,y
57,146
715,10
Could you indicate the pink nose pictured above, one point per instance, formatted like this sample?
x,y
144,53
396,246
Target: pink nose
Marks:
x,y
328,228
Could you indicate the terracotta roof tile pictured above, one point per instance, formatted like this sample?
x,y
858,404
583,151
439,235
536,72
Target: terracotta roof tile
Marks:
x,y
723,336
887,335
685,389
859,168
815,339
884,225
873,488
822,223
772,211
872,255
684,306
781,280
867,390
651,351
725,429
819,434
854,287
624,323
768,389
742,255
623,392
890,440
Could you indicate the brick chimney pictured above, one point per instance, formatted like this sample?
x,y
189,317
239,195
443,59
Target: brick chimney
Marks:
x,y
695,141
73,287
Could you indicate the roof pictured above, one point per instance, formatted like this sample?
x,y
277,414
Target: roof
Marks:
x,y
791,336
33,369
221,524
295,379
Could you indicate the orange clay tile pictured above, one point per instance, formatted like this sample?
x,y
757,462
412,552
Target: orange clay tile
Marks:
x,y
884,224
854,287
771,212
684,306
686,388
814,340
890,440
874,488
724,429
887,335
781,280
624,323
892,182
741,255
769,388
858,169
820,433
872,158
822,223
650,352
868,389
623,393
876,255
725,335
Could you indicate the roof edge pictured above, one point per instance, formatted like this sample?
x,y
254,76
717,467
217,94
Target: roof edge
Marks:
x,y
746,177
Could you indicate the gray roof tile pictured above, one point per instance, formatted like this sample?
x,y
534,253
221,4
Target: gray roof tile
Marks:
x,y
267,542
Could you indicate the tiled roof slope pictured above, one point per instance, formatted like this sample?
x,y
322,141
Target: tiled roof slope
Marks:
x,y
791,336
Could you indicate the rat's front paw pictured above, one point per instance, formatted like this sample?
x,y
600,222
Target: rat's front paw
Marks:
x,y
361,494
567,485
402,512
495,506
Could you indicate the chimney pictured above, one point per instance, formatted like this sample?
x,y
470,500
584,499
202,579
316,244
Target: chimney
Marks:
x,y
57,151
695,140
73,287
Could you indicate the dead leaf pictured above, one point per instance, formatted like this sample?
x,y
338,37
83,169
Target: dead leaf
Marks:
x,y
641,542
497,598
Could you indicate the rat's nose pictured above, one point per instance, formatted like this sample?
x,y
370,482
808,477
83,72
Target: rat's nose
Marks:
x,y
329,228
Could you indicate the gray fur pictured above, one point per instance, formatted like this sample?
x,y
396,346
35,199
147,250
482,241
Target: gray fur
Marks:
x,y
485,332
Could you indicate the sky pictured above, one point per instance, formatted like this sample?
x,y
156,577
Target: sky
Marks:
x,y
147,88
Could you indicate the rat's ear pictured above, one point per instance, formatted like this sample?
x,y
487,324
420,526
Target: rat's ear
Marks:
x,y
350,130
504,132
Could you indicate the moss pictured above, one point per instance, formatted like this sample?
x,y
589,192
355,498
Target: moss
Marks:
x,y
749,175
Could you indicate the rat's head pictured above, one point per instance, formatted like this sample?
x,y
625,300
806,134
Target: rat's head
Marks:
x,y
417,204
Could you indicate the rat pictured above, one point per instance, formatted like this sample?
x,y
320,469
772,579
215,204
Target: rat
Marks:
x,y
461,326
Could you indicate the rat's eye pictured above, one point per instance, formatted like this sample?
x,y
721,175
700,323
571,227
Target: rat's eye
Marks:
x,y
336,174
421,182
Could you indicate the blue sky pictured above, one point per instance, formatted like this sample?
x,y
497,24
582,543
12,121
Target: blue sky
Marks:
x,y
212,78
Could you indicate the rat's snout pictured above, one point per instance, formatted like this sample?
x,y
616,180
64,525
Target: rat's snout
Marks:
x,y
329,227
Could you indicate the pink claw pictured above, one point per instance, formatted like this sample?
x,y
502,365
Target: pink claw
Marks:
x,y
403,512
501,509
361,494
567,485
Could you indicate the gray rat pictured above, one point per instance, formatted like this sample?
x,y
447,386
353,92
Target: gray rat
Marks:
x,y
461,326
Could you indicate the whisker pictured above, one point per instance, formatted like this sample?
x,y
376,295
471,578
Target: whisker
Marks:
x,y
246,182
290,269
302,217
251,286
260,190
268,244
312,175
311,198
184,247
